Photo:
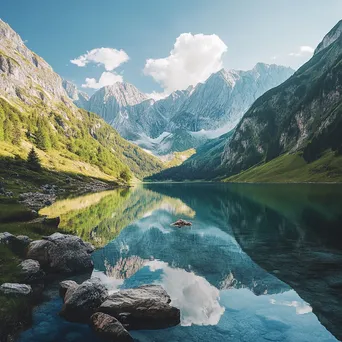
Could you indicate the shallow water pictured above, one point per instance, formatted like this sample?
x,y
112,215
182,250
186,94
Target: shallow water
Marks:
x,y
260,262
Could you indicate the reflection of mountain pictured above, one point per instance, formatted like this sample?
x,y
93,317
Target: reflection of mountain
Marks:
x,y
293,231
99,218
204,249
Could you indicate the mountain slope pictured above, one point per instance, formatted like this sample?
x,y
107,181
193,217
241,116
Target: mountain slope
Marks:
x,y
35,110
303,115
192,116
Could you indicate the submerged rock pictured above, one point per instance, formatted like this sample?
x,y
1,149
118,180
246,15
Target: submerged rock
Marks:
x,y
62,253
109,328
15,289
81,301
181,223
145,307
30,271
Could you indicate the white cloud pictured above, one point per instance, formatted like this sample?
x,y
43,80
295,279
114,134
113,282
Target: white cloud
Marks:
x,y
303,50
107,78
110,58
192,60
157,96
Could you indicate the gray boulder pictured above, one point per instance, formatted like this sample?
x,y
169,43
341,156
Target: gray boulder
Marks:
x,y
62,253
30,271
82,301
145,307
65,285
17,290
109,328
6,238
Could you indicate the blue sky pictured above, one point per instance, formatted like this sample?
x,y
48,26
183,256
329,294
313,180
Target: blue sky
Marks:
x,y
247,32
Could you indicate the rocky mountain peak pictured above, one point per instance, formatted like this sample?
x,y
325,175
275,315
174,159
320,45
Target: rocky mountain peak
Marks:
x,y
330,37
124,93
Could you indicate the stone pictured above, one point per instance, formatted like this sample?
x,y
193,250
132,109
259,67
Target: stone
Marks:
x,y
65,285
30,271
181,223
15,289
81,302
109,328
145,307
6,238
62,253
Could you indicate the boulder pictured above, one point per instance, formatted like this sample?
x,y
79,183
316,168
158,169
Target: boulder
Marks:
x,y
82,301
14,289
6,238
181,223
31,272
18,244
65,285
62,253
145,307
109,328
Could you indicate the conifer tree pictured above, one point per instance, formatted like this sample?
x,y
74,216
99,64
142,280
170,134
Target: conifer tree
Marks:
x,y
33,161
43,141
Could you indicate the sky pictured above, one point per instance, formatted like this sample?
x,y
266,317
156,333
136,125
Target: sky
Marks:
x,y
161,46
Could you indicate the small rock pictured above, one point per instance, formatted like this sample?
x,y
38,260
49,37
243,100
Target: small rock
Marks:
x,y
109,328
14,289
81,302
65,285
31,271
181,223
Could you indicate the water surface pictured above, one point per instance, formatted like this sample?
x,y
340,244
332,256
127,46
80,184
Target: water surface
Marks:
x,y
260,262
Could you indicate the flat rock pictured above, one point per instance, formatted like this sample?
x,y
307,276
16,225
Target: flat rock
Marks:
x,y
109,328
82,301
14,289
30,271
62,253
145,307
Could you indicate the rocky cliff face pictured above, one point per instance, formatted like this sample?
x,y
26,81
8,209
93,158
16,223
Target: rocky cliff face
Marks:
x,y
80,98
195,114
303,114
24,75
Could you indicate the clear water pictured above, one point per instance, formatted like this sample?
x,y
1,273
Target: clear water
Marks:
x,y
260,262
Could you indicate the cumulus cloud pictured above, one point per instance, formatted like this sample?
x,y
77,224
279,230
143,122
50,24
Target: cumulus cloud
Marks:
x,y
192,60
107,78
303,50
108,57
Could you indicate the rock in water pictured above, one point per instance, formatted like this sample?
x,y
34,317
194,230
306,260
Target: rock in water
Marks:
x,y
109,328
145,307
65,285
14,289
62,253
30,271
181,223
82,301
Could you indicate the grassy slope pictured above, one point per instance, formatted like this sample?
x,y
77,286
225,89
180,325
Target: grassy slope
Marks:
x,y
179,158
291,168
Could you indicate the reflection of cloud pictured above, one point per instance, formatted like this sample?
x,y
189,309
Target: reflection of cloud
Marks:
x,y
301,308
197,300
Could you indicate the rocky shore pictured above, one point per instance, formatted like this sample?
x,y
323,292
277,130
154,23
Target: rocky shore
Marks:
x,y
110,316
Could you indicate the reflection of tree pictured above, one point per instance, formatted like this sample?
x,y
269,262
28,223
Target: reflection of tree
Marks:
x,y
124,268
100,217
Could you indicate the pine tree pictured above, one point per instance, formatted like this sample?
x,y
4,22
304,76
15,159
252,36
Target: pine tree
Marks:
x,y
8,130
43,141
33,161
16,135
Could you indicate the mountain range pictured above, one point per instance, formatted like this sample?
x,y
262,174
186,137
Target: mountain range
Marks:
x,y
35,110
291,133
186,118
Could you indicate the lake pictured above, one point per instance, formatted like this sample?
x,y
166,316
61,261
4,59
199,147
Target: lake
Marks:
x,y
259,263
